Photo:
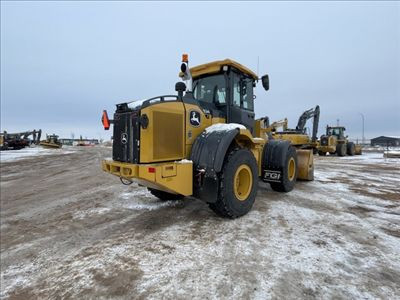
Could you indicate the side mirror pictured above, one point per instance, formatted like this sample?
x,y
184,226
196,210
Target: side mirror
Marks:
x,y
265,82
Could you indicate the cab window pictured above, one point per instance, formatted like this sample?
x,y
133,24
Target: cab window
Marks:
x,y
334,131
247,89
236,91
243,92
211,89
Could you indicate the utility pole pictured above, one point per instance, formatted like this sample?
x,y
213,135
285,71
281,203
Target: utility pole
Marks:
x,y
363,137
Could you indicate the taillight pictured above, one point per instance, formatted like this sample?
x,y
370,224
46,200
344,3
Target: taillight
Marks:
x,y
105,120
152,170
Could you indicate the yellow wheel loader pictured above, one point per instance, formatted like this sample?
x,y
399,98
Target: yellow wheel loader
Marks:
x,y
335,142
203,142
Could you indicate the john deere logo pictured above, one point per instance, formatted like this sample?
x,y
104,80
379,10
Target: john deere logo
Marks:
x,y
124,138
195,118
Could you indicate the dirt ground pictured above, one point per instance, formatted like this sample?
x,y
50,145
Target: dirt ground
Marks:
x,y
68,230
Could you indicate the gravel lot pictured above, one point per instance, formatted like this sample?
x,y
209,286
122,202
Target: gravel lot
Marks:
x,y
68,230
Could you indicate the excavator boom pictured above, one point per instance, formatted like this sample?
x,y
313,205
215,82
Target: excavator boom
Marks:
x,y
305,116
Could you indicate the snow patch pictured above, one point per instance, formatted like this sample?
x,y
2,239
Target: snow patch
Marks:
x,y
94,211
224,127
14,155
184,161
17,276
136,103
371,158
258,139
143,200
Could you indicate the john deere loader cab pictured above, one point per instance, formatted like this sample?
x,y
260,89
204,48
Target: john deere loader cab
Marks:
x,y
335,142
226,88
337,131
202,142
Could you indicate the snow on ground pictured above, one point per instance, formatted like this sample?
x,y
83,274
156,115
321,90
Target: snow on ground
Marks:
x,y
28,152
368,158
144,200
380,148
85,236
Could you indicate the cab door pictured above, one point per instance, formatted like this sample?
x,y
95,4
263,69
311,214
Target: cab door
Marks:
x,y
242,101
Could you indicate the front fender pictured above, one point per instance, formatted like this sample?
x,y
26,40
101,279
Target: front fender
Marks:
x,y
208,153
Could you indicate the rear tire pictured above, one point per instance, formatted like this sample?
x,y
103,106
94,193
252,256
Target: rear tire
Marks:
x,y
164,196
341,149
351,149
289,173
238,185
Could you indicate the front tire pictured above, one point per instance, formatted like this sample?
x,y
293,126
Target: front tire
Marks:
x,y
341,149
351,149
164,196
238,185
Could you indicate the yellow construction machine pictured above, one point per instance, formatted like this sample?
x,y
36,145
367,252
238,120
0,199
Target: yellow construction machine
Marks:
x,y
335,142
298,136
51,142
204,142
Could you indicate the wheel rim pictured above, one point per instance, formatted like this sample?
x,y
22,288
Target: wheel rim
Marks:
x,y
243,182
291,168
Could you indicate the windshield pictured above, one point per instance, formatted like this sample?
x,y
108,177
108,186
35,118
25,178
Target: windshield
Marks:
x,y
334,131
211,89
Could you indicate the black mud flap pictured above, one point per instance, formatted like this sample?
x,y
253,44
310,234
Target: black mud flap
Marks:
x,y
272,176
208,153
273,160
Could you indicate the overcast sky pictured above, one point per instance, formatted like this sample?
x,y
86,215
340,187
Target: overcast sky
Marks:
x,y
62,63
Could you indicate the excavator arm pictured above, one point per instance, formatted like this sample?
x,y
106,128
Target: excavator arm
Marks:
x,y
308,114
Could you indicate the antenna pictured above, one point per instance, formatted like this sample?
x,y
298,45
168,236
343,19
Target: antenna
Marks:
x,y
337,122
258,64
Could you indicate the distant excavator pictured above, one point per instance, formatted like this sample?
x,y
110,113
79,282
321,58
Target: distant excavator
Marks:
x,y
297,136
308,114
19,140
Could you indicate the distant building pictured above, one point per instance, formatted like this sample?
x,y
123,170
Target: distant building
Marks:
x,y
74,142
386,141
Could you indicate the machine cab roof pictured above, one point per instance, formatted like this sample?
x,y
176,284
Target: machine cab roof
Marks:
x,y
216,66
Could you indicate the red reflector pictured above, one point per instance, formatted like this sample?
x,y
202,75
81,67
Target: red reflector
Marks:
x,y
152,170
105,120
